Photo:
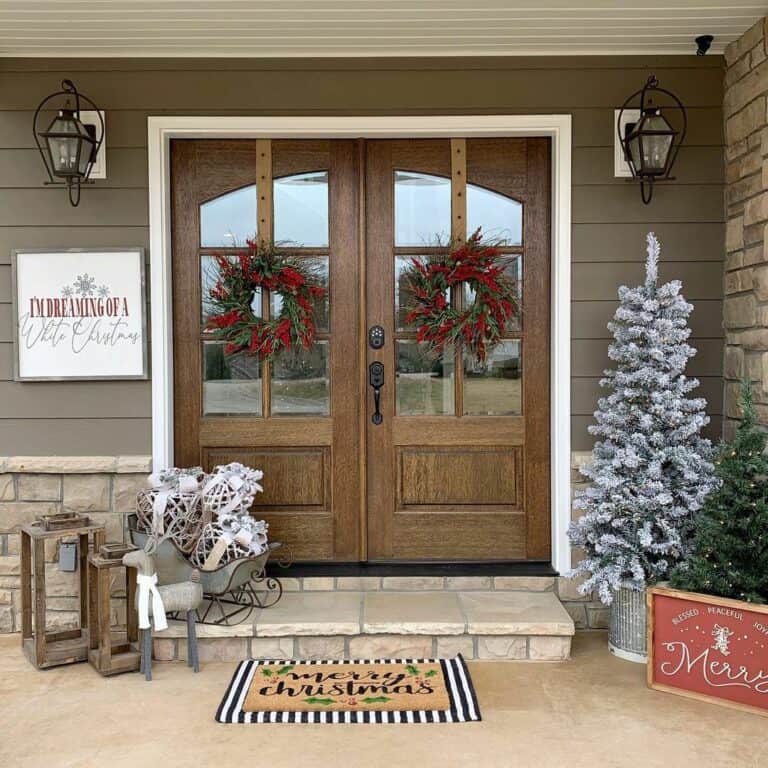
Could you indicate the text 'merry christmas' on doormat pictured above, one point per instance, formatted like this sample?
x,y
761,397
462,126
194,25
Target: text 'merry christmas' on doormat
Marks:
x,y
356,691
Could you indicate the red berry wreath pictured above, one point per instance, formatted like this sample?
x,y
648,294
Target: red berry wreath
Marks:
x,y
476,328
263,266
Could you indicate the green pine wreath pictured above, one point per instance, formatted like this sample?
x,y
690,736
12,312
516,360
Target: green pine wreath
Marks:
x,y
263,266
477,328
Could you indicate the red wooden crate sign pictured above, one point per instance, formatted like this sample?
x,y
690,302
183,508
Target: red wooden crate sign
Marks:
x,y
709,648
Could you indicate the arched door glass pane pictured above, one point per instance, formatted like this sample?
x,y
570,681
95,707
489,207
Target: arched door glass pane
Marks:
x,y
301,209
229,220
422,209
500,217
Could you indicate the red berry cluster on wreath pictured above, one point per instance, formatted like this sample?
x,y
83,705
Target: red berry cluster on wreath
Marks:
x,y
263,267
476,328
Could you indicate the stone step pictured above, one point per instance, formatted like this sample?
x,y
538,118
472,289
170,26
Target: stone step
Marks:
x,y
480,624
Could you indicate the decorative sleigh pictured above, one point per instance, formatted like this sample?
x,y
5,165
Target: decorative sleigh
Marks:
x,y
231,591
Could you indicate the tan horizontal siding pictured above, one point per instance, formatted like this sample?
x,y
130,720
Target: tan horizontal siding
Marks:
x,y
680,241
67,436
694,165
612,203
416,88
22,168
589,319
609,226
70,237
117,207
75,399
589,357
599,280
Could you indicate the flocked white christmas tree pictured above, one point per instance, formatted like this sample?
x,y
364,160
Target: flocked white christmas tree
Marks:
x,y
651,469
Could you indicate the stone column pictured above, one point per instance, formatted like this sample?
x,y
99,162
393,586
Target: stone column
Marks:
x,y
745,314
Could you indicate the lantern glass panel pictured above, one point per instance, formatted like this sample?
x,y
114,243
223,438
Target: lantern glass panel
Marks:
x,y
633,145
63,145
657,142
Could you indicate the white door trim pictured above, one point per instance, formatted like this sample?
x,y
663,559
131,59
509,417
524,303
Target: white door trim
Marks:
x,y
557,127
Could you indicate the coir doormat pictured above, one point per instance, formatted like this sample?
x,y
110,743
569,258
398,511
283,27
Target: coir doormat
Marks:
x,y
356,691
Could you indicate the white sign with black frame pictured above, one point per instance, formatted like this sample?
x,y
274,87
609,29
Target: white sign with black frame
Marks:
x,y
79,314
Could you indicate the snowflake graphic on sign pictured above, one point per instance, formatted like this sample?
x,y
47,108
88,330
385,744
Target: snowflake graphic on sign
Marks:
x,y
85,285
67,291
722,637
103,291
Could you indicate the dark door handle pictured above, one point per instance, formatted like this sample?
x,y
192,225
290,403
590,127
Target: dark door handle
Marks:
x,y
376,381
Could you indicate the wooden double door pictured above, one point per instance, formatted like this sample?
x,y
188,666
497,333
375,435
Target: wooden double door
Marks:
x,y
458,467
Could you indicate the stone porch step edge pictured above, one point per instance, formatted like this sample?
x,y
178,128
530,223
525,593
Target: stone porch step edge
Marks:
x,y
178,629
533,648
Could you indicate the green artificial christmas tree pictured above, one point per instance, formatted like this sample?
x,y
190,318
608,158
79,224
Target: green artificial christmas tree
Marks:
x,y
730,541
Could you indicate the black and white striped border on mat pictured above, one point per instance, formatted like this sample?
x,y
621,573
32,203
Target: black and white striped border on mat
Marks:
x,y
463,708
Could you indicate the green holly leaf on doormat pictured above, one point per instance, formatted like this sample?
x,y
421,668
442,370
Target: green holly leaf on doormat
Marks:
x,y
411,670
285,670
376,699
317,700
431,673
266,672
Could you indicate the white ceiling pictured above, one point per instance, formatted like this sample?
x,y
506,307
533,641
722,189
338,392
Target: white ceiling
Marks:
x,y
367,27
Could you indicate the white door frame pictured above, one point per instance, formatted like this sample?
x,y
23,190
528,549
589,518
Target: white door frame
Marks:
x,y
557,127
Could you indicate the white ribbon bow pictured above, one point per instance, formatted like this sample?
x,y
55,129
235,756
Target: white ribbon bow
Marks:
x,y
148,586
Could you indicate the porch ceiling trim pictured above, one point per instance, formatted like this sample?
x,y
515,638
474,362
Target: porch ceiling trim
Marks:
x,y
558,127
320,28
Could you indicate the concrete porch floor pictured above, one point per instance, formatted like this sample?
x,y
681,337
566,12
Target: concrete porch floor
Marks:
x,y
591,711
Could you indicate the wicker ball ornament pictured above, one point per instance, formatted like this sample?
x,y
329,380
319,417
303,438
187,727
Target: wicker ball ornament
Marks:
x,y
182,519
224,541
231,489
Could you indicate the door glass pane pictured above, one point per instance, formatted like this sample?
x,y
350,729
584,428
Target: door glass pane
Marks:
x,y
500,217
301,209
494,387
514,269
209,275
422,208
319,268
424,384
231,383
300,381
229,220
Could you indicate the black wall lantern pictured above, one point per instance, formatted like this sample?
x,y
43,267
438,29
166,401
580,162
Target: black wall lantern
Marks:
x,y
650,145
67,146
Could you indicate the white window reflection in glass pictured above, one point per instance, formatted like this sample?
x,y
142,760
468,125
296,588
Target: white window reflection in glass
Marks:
x,y
494,387
301,209
229,220
231,383
300,385
500,217
422,209
424,384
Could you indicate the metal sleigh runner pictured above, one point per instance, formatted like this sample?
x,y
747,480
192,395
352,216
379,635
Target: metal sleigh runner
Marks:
x,y
197,522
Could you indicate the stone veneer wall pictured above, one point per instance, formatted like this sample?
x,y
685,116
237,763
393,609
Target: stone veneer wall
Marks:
x,y
746,197
102,487
105,488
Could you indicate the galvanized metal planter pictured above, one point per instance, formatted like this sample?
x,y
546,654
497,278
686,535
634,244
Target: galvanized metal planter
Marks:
x,y
627,638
